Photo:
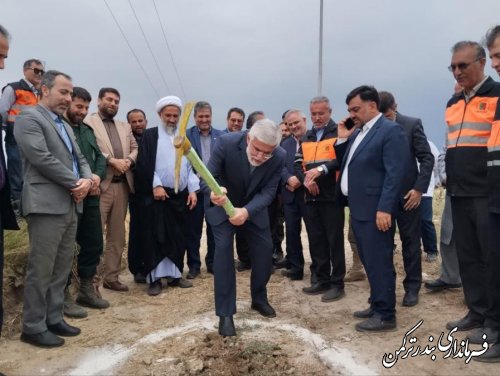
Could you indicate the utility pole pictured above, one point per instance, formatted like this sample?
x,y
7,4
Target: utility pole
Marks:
x,y
320,60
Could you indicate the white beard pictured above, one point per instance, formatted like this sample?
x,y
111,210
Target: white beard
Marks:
x,y
251,161
170,129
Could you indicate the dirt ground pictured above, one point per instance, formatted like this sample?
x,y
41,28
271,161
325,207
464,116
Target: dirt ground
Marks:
x,y
175,333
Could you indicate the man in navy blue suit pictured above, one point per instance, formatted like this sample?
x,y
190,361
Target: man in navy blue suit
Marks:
x,y
374,162
248,166
202,137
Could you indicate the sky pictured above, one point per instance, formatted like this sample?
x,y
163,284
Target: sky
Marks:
x,y
253,54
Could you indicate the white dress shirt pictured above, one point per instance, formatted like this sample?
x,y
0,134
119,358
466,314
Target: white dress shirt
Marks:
x,y
361,135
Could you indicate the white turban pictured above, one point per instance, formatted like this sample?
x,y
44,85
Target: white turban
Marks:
x,y
170,100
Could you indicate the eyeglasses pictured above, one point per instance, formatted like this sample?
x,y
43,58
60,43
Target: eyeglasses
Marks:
x,y
257,151
37,71
461,66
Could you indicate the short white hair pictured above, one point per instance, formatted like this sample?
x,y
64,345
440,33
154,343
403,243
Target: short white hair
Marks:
x,y
266,131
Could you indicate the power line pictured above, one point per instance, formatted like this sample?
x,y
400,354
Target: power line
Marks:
x,y
149,46
169,51
131,49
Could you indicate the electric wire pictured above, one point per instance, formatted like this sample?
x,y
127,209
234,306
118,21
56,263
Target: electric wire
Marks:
x,y
169,51
131,49
149,46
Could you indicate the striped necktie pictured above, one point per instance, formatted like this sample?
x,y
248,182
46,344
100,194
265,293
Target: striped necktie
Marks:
x,y
69,145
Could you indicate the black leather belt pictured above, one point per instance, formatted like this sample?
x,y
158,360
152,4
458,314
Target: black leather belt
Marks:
x,y
118,179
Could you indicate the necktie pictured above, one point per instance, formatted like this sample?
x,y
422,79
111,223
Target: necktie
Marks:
x,y
69,145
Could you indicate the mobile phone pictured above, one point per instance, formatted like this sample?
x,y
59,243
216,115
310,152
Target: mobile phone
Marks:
x,y
349,123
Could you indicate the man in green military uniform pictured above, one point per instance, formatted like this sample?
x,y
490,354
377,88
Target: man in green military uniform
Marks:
x,y
89,234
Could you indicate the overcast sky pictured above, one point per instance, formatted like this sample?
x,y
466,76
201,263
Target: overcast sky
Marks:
x,y
254,54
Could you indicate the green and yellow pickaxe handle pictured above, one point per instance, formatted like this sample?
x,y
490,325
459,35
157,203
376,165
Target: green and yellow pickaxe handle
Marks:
x,y
183,146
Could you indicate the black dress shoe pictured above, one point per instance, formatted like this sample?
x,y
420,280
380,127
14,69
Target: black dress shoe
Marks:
x,y
294,276
264,309
45,339
140,278
364,314
468,322
281,264
492,355
193,274
226,326
335,293
410,299
154,288
62,328
440,285
316,289
242,266
375,324
476,336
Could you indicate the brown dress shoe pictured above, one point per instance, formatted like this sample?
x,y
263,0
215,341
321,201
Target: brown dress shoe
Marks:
x,y
115,285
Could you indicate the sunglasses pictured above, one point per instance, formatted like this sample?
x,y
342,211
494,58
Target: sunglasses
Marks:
x,y
37,71
461,66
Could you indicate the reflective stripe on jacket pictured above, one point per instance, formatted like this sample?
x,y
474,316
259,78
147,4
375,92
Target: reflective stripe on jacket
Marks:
x,y
24,98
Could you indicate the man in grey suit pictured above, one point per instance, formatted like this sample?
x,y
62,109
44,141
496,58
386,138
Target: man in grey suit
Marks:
x,y
56,180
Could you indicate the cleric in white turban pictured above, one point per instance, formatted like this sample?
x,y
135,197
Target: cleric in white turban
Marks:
x,y
170,100
162,212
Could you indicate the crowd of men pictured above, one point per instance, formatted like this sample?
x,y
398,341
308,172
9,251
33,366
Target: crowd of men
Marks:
x,y
81,173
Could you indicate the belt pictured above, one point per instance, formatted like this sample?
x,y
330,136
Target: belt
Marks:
x,y
118,179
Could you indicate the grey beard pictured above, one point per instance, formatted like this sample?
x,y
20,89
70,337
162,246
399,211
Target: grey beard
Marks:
x,y
170,130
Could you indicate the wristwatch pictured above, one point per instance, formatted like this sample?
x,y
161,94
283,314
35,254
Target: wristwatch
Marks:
x,y
320,169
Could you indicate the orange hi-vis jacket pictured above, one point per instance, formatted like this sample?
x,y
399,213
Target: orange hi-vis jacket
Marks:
x,y
24,98
312,154
473,144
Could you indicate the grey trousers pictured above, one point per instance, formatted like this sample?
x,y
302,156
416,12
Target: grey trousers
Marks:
x,y
450,272
52,245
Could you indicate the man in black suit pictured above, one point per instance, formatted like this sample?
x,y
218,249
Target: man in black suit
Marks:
x,y
292,195
248,166
415,183
373,165
7,218
316,167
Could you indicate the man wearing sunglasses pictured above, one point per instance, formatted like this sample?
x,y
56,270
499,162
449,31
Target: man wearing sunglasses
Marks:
x,y
491,326
471,118
17,96
248,166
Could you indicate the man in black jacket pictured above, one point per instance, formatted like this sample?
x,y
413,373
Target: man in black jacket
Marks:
x,y
415,183
316,167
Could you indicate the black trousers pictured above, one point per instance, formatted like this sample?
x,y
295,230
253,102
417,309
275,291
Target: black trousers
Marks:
x,y
493,312
1,272
410,230
134,257
325,231
471,232
242,247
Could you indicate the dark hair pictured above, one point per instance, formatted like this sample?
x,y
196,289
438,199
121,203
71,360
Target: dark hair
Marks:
x,y
252,118
480,52
5,33
200,106
49,77
136,110
237,110
387,101
366,93
284,114
83,94
105,90
27,63
491,35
